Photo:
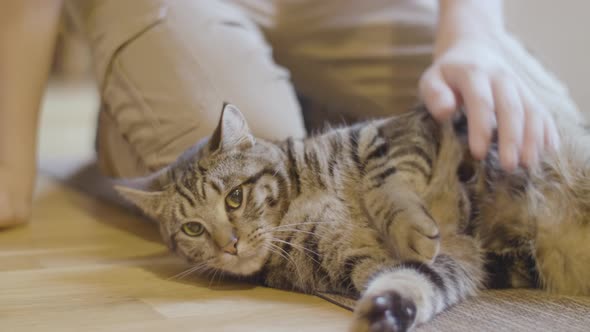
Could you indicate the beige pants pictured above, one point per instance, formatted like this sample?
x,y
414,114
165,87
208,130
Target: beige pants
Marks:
x,y
166,67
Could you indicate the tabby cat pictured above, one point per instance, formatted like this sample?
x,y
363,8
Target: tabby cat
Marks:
x,y
391,211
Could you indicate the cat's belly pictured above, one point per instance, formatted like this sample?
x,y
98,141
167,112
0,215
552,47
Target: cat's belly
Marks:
x,y
563,258
543,245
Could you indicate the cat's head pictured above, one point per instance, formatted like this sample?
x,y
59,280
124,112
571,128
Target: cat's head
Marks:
x,y
218,203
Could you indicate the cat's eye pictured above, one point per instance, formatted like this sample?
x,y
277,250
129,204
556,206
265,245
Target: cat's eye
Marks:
x,y
234,199
193,228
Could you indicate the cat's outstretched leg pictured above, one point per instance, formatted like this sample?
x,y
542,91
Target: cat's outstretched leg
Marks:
x,y
401,297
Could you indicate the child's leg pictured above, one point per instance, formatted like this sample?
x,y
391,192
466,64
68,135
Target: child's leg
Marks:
x,y
165,68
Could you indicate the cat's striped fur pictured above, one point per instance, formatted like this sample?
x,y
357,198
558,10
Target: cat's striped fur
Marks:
x,y
392,211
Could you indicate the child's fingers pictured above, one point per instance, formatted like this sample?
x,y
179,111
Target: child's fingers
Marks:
x,y
510,116
475,90
533,139
540,132
551,135
437,95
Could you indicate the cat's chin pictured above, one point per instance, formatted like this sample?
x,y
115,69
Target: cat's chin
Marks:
x,y
242,265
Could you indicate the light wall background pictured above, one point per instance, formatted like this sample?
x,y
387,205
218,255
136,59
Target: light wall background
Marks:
x,y
558,32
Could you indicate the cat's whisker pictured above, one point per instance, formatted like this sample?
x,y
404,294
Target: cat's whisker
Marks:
x,y
277,170
292,230
189,271
182,275
215,271
211,272
300,224
301,248
215,276
295,245
282,253
294,226
273,248
200,268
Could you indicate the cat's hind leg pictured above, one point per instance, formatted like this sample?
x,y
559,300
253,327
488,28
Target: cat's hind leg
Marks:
x,y
401,297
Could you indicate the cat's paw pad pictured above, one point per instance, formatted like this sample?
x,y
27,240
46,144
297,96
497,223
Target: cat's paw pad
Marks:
x,y
387,312
416,237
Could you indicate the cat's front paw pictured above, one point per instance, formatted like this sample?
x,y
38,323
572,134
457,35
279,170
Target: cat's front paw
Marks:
x,y
415,236
386,312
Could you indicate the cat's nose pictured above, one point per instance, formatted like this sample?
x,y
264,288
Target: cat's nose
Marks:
x,y
232,247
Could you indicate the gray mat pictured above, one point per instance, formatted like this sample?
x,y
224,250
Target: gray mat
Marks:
x,y
505,310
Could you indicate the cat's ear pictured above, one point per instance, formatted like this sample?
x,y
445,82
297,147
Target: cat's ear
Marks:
x,y
145,193
149,202
232,130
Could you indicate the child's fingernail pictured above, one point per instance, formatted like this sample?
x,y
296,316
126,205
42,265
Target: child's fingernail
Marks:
x,y
510,158
532,158
478,148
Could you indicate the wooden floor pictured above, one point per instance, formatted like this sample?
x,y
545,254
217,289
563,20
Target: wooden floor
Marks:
x,y
84,265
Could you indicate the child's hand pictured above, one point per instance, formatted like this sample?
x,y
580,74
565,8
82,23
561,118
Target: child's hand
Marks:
x,y
469,73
